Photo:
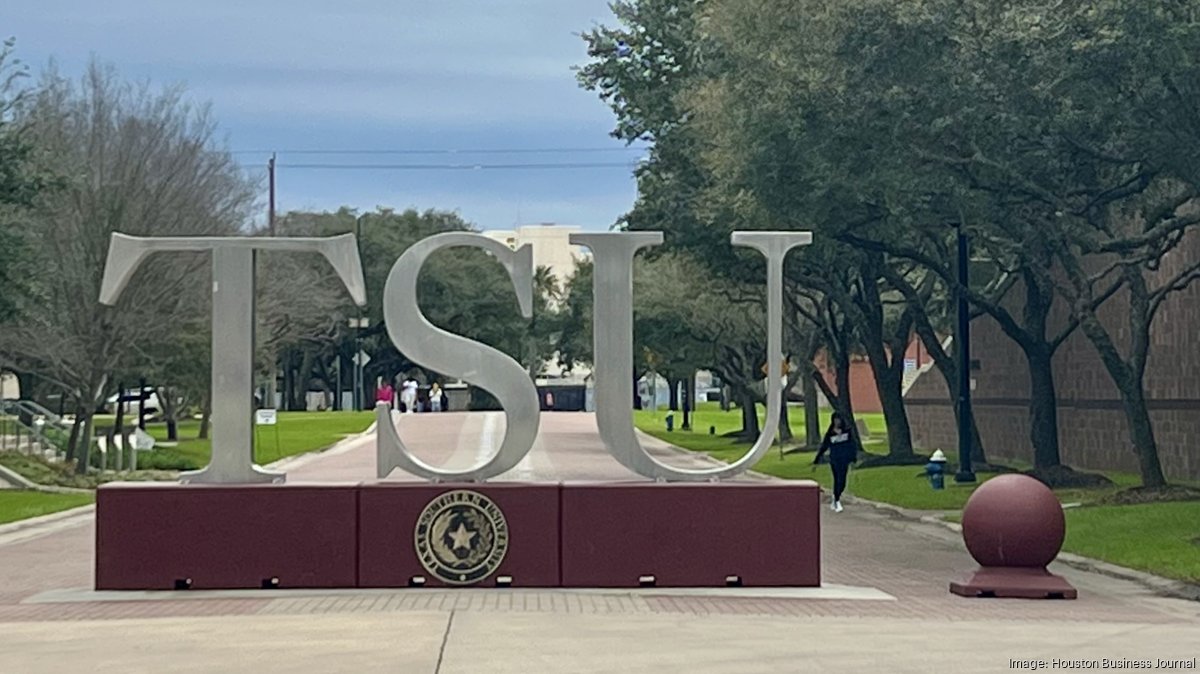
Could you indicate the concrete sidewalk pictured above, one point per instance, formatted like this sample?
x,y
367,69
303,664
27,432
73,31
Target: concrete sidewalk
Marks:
x,y
449,642
44,580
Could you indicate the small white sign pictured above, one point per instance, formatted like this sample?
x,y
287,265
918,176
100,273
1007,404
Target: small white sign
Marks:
x,y
266,417
141,440
361,358
910,364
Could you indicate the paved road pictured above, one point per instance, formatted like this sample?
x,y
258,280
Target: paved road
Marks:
x,y
885,607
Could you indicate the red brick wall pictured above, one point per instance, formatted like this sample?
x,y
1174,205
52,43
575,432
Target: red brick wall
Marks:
x,y
1092,430
863,394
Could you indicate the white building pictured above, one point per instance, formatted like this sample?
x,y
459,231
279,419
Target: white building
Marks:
x,y
552,249
551,246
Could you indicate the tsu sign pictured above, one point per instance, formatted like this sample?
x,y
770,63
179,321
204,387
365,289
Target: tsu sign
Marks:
x,y
446,352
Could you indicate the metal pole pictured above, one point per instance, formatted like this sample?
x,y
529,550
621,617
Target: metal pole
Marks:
x,y
963,339
268,399
337,366
142,403
358,368
357,362
271,192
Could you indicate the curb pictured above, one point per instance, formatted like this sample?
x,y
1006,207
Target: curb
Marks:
x,y
40,520
647,439
297,460
34,522
1168,587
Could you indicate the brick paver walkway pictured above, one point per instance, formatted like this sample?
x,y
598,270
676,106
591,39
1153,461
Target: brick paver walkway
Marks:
x,y
863,547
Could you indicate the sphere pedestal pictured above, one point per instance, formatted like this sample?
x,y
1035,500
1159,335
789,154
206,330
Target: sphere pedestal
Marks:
x,y
1013,525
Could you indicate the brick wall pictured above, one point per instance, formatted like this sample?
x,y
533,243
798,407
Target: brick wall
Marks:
x,y
1092,429
863,394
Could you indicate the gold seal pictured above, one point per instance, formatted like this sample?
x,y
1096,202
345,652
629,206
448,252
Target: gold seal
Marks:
x,y
461,537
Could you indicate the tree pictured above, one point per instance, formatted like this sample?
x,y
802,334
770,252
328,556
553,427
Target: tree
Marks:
x,y
654,91
462,290
136,161
1051,134
21,179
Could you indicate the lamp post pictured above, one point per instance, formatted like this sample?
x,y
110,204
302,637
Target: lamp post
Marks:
x,y
962,338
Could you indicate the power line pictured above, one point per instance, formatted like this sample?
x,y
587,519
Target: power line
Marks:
x,y
461,167
525,150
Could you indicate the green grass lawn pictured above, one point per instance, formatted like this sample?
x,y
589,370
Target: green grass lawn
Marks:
x,y
900,485
298,433
18,505
1162,538
903,486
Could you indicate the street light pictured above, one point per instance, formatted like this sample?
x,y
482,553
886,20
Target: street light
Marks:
x,y
963,339
358,324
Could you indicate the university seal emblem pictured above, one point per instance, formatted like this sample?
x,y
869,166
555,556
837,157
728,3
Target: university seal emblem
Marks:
x,y
461,537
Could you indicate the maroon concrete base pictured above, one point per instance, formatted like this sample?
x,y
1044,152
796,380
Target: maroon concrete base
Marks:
x,y
691,535
168,536
1015,582
388,512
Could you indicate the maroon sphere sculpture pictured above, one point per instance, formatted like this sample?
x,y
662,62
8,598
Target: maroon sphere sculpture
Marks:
x,y
1013,520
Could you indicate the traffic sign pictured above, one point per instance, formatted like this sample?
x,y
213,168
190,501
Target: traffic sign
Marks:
x,y
787,367
266,417
361,359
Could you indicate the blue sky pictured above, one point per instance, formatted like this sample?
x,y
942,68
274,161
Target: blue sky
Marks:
x,y
371,74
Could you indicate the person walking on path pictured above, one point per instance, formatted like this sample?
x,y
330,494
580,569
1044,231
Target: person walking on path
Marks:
x,y
408,394
435,398
842,446
386,394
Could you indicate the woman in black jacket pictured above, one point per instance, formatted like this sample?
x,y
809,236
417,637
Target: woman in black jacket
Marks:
x,y
842,445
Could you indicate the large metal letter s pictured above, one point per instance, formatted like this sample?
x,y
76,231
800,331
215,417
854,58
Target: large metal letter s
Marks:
x,y
457,356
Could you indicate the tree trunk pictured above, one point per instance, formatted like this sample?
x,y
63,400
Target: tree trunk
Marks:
x,y
269,401
812,414
205,416
85,444
73,441
785,426
304,375
1043,410
289,400
1141,432
170,411
688,401
673,402
916,306
750,427
843,404
637,398
889,383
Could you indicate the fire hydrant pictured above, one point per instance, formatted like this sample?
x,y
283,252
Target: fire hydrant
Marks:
x,y
935,470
